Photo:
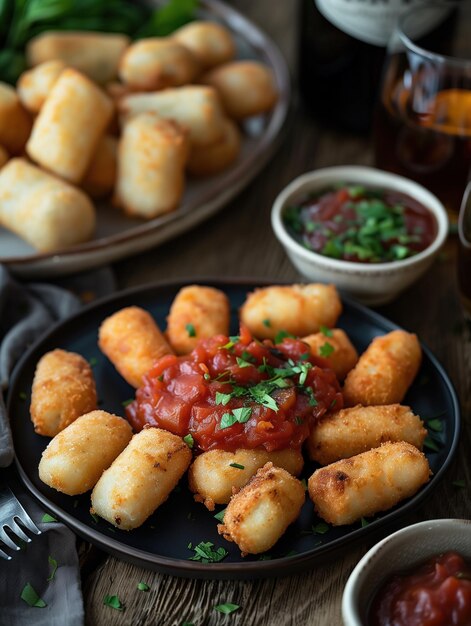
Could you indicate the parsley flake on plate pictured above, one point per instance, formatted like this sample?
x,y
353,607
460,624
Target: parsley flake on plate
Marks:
x,y
431,444
53,563
30,596
435,424
143,587
220,516
321,528
206,553
48,519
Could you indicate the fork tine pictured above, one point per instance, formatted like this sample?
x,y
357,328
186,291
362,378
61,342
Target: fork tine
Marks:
x,y
16,528
7,541
25,519
4,555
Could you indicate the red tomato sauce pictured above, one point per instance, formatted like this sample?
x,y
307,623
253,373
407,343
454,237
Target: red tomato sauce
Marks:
x,y
231,393
438,593
362,224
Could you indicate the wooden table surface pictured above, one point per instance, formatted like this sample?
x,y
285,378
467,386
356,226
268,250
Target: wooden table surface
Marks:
x,y
239,242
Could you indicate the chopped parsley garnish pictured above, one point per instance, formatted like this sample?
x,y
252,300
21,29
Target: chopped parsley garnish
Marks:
x,y
364,522
237,465
431,444
227,608
114,602
220,516
327,332
126,403
241,415
227,420
283,334
242,362
95,517
31,598
205,553
312,398
93,361
53,563
190,329
321,528
222,398
461,484
48,519
188,439
326,350
247,356
22,396
143,587
368,225
267,323
435,424
299,420
304,483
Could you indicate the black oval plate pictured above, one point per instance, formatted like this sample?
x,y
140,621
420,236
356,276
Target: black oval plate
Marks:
x,y
162,542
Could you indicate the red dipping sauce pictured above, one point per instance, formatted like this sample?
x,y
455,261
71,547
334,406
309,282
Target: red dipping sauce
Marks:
x,y
237,392
361,224
438,593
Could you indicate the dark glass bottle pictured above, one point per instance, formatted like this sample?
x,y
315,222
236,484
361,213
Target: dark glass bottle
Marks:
x,y
339,75
342,52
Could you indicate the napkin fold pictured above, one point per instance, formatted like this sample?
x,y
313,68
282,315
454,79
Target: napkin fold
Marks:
x,y
26,312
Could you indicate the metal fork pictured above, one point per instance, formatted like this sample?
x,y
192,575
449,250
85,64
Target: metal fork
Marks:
x,y
12,512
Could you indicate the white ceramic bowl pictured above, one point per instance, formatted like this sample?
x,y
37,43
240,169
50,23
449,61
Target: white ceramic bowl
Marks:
x,y
371,283
400,551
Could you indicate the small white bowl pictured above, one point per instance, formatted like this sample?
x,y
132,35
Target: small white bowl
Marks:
x,y
371,283
400,551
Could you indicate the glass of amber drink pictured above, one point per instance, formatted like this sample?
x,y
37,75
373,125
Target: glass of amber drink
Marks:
x,y
423,120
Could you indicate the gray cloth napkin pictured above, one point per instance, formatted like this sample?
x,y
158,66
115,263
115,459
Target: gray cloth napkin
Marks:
x,y
26,311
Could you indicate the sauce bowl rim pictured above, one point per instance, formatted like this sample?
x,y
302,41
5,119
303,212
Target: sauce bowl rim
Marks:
x,y
351,613
310,181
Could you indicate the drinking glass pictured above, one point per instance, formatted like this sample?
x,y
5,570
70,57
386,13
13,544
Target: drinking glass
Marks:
x,y
423,119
